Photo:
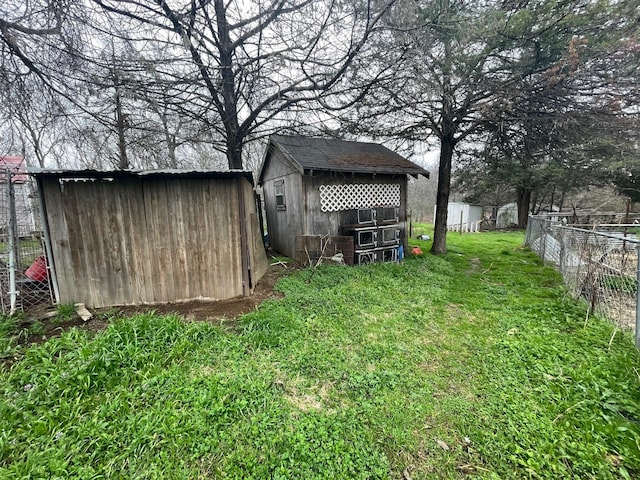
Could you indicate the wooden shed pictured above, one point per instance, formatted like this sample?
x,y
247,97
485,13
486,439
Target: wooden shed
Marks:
x,y
149,237
324,196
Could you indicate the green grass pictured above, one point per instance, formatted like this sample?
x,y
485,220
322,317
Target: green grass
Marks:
x,y
65,312
622,284
16,330
474,363
14,333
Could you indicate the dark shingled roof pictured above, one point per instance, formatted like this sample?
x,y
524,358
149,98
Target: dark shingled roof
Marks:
x,y
328,154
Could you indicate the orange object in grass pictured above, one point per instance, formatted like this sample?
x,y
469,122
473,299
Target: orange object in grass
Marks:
x,y
416,251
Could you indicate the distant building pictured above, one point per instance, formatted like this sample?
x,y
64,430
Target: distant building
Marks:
x,y
462,215
507,215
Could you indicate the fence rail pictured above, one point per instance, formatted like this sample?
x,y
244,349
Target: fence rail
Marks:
x,y
599,264
465,227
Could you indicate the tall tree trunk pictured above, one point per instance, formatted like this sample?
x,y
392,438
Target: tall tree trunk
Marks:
x,y
170,139
234,151
123,159
439,246
627,211
447,145
171,151
523,199
227,88
122,162
35,139
537,203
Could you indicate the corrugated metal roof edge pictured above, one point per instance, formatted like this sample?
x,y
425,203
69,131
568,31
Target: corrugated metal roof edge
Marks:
x,y
102,174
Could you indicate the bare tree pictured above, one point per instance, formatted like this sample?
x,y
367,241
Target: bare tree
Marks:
x,y
255,61
34,36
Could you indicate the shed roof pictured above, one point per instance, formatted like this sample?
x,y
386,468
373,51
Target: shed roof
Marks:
x,y
16,165
310,154
122,174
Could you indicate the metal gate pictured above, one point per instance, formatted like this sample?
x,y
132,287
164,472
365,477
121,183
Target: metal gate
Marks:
x,y
24,273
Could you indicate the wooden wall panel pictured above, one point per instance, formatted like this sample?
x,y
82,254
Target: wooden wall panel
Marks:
x,y
190,236
149,240
318,222
222,263
142,285
278,166
59,237
258,256
283,226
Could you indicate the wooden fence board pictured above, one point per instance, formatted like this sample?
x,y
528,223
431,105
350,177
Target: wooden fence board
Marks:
x,y
60,241
149,240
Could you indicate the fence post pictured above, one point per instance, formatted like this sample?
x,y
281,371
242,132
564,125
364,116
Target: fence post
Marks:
x,y
637,334
561,263
543,241
13,291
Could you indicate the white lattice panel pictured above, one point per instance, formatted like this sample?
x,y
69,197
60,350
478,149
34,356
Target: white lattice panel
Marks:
x,y
334,198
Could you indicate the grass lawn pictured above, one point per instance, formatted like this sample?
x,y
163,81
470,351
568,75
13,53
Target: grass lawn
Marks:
x,y
472,364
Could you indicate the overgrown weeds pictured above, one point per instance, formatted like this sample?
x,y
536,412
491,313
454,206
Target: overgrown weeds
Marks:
x,y
475,363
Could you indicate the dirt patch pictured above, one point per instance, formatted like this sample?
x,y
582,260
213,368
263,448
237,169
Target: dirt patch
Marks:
x,y
218,311
52,326
42,323
474,265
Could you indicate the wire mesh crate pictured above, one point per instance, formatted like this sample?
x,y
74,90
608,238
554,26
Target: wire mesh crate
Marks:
x,y
24,272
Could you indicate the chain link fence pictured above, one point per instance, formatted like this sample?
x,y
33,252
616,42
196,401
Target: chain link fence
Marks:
x,y
24,279
599,264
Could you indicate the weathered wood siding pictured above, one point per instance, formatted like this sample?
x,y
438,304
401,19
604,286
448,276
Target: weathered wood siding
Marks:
x,y
149,240
255,244
283,226
317,222
303,215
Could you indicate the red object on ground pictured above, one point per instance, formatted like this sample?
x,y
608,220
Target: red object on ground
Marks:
x,y
38,270
416,251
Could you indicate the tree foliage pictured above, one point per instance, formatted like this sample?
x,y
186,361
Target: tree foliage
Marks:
x,y
445,78
562,117
523,94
